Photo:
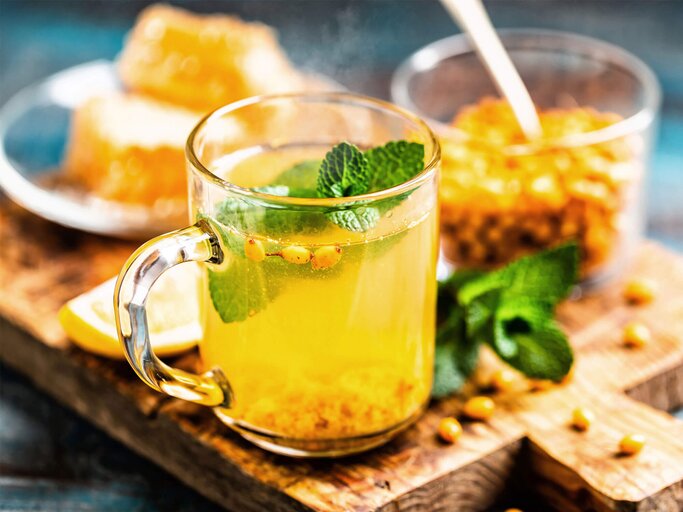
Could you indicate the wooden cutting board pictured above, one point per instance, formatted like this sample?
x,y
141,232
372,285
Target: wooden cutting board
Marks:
x,y
528,442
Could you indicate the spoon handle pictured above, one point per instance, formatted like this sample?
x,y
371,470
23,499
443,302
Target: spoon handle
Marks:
x,y
473,19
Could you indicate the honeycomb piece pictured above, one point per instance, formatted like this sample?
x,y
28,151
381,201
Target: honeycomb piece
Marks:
x,y
203,61
129,148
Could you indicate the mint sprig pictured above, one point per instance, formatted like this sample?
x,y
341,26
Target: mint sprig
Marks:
x,y
358,219
245,216
233,301
239,288
394,163
346,172
511,310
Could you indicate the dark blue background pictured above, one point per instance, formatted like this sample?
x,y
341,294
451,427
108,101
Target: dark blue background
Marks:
x,y
52,460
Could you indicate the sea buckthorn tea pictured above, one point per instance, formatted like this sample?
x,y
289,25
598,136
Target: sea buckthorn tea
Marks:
x,y
317,228
323,332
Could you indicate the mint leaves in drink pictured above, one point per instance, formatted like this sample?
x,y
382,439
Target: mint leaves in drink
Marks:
x,y
344,172
347,172
511,310
394,163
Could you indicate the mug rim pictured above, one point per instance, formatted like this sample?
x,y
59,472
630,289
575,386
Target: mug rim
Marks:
x,y
428,171
430,55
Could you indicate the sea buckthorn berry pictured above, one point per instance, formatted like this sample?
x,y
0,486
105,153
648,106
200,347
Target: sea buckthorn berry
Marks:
x,y
502,379
631,444
582,418
636,335
540,384
254,250
296,254
449,430
326,256
639,291
479,408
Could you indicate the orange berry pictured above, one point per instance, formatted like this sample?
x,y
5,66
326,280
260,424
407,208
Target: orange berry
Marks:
x,y
479,408
253,249
639,291
631,444
502,379
296,254
326,256
636,335
582,419
449,430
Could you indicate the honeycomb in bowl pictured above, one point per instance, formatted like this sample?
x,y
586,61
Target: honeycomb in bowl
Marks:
x,y
203,61
129,148
500,200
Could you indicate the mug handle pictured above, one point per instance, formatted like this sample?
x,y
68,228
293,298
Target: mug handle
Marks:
x,y
195,243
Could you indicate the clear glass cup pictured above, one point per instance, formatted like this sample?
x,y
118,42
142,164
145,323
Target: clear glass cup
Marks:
x,y
318,339
500,201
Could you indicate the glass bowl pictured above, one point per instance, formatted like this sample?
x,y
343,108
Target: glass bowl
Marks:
x,y
501,200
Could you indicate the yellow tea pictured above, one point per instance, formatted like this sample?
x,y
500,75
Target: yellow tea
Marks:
x,y
322,332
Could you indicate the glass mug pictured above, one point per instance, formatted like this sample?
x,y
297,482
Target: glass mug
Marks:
x,y
318,339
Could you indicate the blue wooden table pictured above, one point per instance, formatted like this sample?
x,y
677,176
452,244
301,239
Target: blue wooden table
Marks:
x,y
52,460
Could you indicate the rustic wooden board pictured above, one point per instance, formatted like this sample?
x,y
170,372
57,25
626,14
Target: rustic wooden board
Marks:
x,y
528,440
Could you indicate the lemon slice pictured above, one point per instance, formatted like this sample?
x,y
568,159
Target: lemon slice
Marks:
x,y
172,315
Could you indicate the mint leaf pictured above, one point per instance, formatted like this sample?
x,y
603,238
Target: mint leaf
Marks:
x,y
479,313
512,310
238,291
346,171
357,220
541,351
303,175
394,163
240,214
343,172
251,218
548,275
447,293
455,357
517,316
447,375
239,288
530,309
457,280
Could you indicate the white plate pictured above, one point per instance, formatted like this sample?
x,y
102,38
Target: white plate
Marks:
x,y
34,126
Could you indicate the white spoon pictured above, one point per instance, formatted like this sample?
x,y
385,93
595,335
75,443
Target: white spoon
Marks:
x,y
472,18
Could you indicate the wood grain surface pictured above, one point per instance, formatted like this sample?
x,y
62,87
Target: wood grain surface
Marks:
x,y
528,441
